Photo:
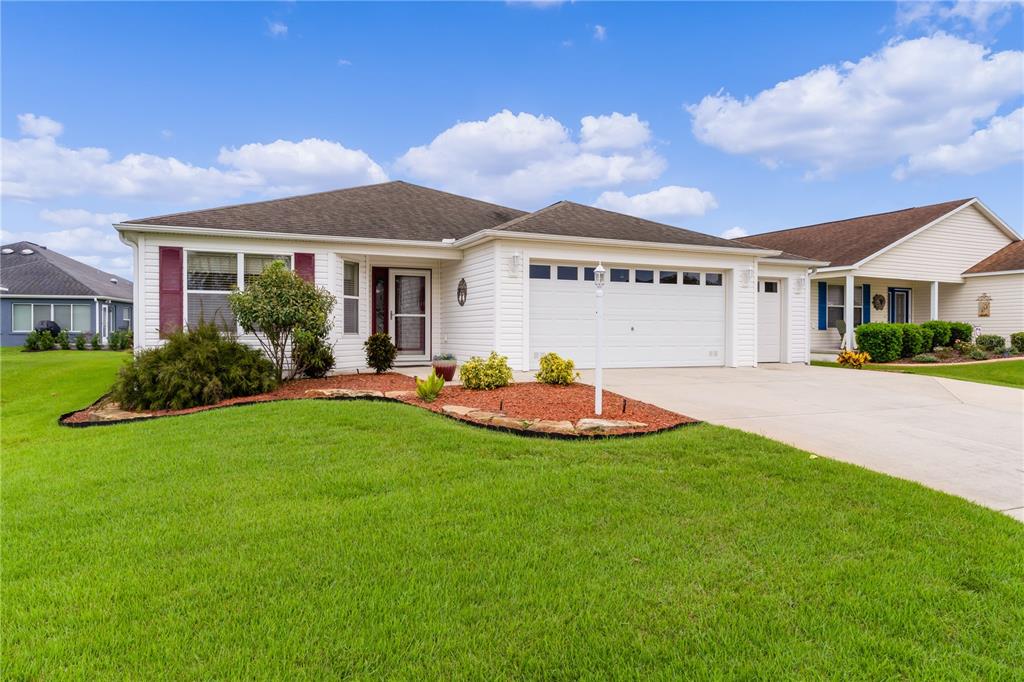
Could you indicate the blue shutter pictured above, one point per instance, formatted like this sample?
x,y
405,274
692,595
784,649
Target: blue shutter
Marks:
x,y
865,315
822,305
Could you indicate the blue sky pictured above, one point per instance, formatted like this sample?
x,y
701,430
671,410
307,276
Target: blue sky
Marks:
x,y
722,117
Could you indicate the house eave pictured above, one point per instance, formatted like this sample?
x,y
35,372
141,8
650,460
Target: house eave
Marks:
x,y
66,297
487,235
992,274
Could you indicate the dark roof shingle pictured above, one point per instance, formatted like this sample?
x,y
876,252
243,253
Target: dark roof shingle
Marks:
x,y
47,273
846,242
1010,257
390,210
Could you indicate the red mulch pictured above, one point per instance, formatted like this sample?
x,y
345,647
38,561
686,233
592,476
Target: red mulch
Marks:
x,y
521,401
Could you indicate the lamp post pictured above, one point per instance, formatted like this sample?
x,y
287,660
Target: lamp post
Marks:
x,y
599,346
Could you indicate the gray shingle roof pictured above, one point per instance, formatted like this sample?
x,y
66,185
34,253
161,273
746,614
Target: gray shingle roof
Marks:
x,y
47,273
390,210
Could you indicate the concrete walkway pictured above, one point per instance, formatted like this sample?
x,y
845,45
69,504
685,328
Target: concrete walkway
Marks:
x,y
960,437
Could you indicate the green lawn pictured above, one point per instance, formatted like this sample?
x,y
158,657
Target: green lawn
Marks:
x,y
1005,373
328,539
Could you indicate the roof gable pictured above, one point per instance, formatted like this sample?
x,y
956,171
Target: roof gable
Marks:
x,y
1007,259
44,272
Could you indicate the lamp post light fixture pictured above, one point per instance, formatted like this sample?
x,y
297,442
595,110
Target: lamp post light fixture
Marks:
x,y
599,346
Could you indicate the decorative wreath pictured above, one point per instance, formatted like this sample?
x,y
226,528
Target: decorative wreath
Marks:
x,y
460,292
878,301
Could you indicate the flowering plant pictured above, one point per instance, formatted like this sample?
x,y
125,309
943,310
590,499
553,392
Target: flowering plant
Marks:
x,y
853,359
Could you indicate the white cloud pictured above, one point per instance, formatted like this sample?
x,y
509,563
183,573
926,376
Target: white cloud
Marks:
x,y
67,217
999,143
167,133
907,98
668,201
85,236
277,29
615,131
600,32
734,233
40,167
39,126
980,17
522,157
344,62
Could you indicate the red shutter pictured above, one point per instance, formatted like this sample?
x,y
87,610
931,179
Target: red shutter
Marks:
x,y
171,295
305,266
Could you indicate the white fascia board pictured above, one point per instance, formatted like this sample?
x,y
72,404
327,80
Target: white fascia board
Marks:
x,y
990,274
835,269
485,235
792,261
435,250
89,298
991,215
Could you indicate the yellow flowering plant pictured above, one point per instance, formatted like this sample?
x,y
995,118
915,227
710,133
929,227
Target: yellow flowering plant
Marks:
x,y
853,359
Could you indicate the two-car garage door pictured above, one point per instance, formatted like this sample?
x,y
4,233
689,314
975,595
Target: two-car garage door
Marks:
x,y
653,317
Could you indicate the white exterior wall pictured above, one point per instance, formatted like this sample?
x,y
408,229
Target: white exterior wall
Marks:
x,y
941,252
470,329
511,332
959,303
796,319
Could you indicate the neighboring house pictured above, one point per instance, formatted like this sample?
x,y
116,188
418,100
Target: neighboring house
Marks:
x,y
38,284
951,261
444,273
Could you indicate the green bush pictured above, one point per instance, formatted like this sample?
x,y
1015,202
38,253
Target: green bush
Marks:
x,y
63,340
380,352
122,339
978,354
927,338
881,340
914,338
46,341
555,369
31,341
81,340
993,343
493,372
1017,342
925,357
941,332
960,331
428,389
197,367
97,342
311,352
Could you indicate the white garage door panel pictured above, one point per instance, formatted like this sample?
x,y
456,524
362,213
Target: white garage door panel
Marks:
x,y
769,322
646,325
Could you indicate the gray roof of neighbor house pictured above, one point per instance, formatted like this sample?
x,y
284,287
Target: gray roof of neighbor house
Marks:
x,y
569,219
33,270
846,242
1010,257
389,210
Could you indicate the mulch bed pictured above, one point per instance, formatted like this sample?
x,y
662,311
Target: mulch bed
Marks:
x,y
951,360
523,401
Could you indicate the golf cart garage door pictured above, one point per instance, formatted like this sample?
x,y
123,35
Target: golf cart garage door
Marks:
x,y
653,317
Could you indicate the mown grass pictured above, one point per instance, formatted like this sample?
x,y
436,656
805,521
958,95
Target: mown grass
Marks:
x,y
1004,373
327,539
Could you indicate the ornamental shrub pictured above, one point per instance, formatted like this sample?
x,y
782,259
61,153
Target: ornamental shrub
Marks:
x,y
46,341
31,341
941,332
993,343
311,352
1017,342
81,340
380,352
927,338
428,389
978,354
122,339
97,342
554,369
881,340
925,357
960,331
63,340
200,366
852,359
913,340
493,372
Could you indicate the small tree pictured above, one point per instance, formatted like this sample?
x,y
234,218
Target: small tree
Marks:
x,y
279,307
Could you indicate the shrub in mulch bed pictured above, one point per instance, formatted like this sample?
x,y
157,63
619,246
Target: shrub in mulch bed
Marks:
x,y
525,401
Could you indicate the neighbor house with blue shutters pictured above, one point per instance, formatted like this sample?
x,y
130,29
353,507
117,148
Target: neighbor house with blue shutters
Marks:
x,y
951,261
38,284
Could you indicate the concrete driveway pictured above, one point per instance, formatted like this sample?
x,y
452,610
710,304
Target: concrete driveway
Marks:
x,y
963,438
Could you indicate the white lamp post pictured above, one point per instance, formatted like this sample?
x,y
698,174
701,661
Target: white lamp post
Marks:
x,y
599,349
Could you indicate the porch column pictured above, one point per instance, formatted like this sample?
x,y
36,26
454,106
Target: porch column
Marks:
x,y
848,340
933,310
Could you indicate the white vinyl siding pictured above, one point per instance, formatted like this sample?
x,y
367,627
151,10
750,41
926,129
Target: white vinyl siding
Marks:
x,y
795,297
959,302
469,329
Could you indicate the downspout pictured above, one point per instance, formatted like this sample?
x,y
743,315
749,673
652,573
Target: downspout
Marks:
x,y
137,329
96,307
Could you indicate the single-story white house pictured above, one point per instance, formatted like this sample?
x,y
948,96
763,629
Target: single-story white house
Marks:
x,y
953,261
443,273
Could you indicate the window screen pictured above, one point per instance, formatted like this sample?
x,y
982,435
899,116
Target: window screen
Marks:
x,y
350,298
62,315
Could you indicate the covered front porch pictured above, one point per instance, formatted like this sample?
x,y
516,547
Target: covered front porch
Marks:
x,y
847,297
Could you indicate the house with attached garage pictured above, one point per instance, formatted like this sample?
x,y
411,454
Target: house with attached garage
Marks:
x,y
951,261
38,284
445,273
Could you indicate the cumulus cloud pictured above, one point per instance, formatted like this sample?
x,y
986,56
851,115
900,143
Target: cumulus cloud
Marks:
x,y
38,126
277,29
999,143
979,17
668,201
734,233
600,32
909,97
524,157
41,167
83,235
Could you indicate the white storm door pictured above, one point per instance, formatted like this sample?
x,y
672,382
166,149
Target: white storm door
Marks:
x,y
409,313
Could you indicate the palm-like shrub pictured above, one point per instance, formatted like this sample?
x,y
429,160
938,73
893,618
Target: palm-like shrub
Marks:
x,y
428,389
380,352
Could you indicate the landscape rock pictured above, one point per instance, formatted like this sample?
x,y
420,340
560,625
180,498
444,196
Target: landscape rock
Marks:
x,y
484,415
459,410
511,423
399,394
344,393
590,425
547,426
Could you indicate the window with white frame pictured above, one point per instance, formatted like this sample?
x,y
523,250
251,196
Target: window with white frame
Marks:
x,y
350,297
210,276
74,317
836,302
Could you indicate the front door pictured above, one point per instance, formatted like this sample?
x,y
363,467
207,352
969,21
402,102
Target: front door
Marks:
x,y
104,322
899,302
409,313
